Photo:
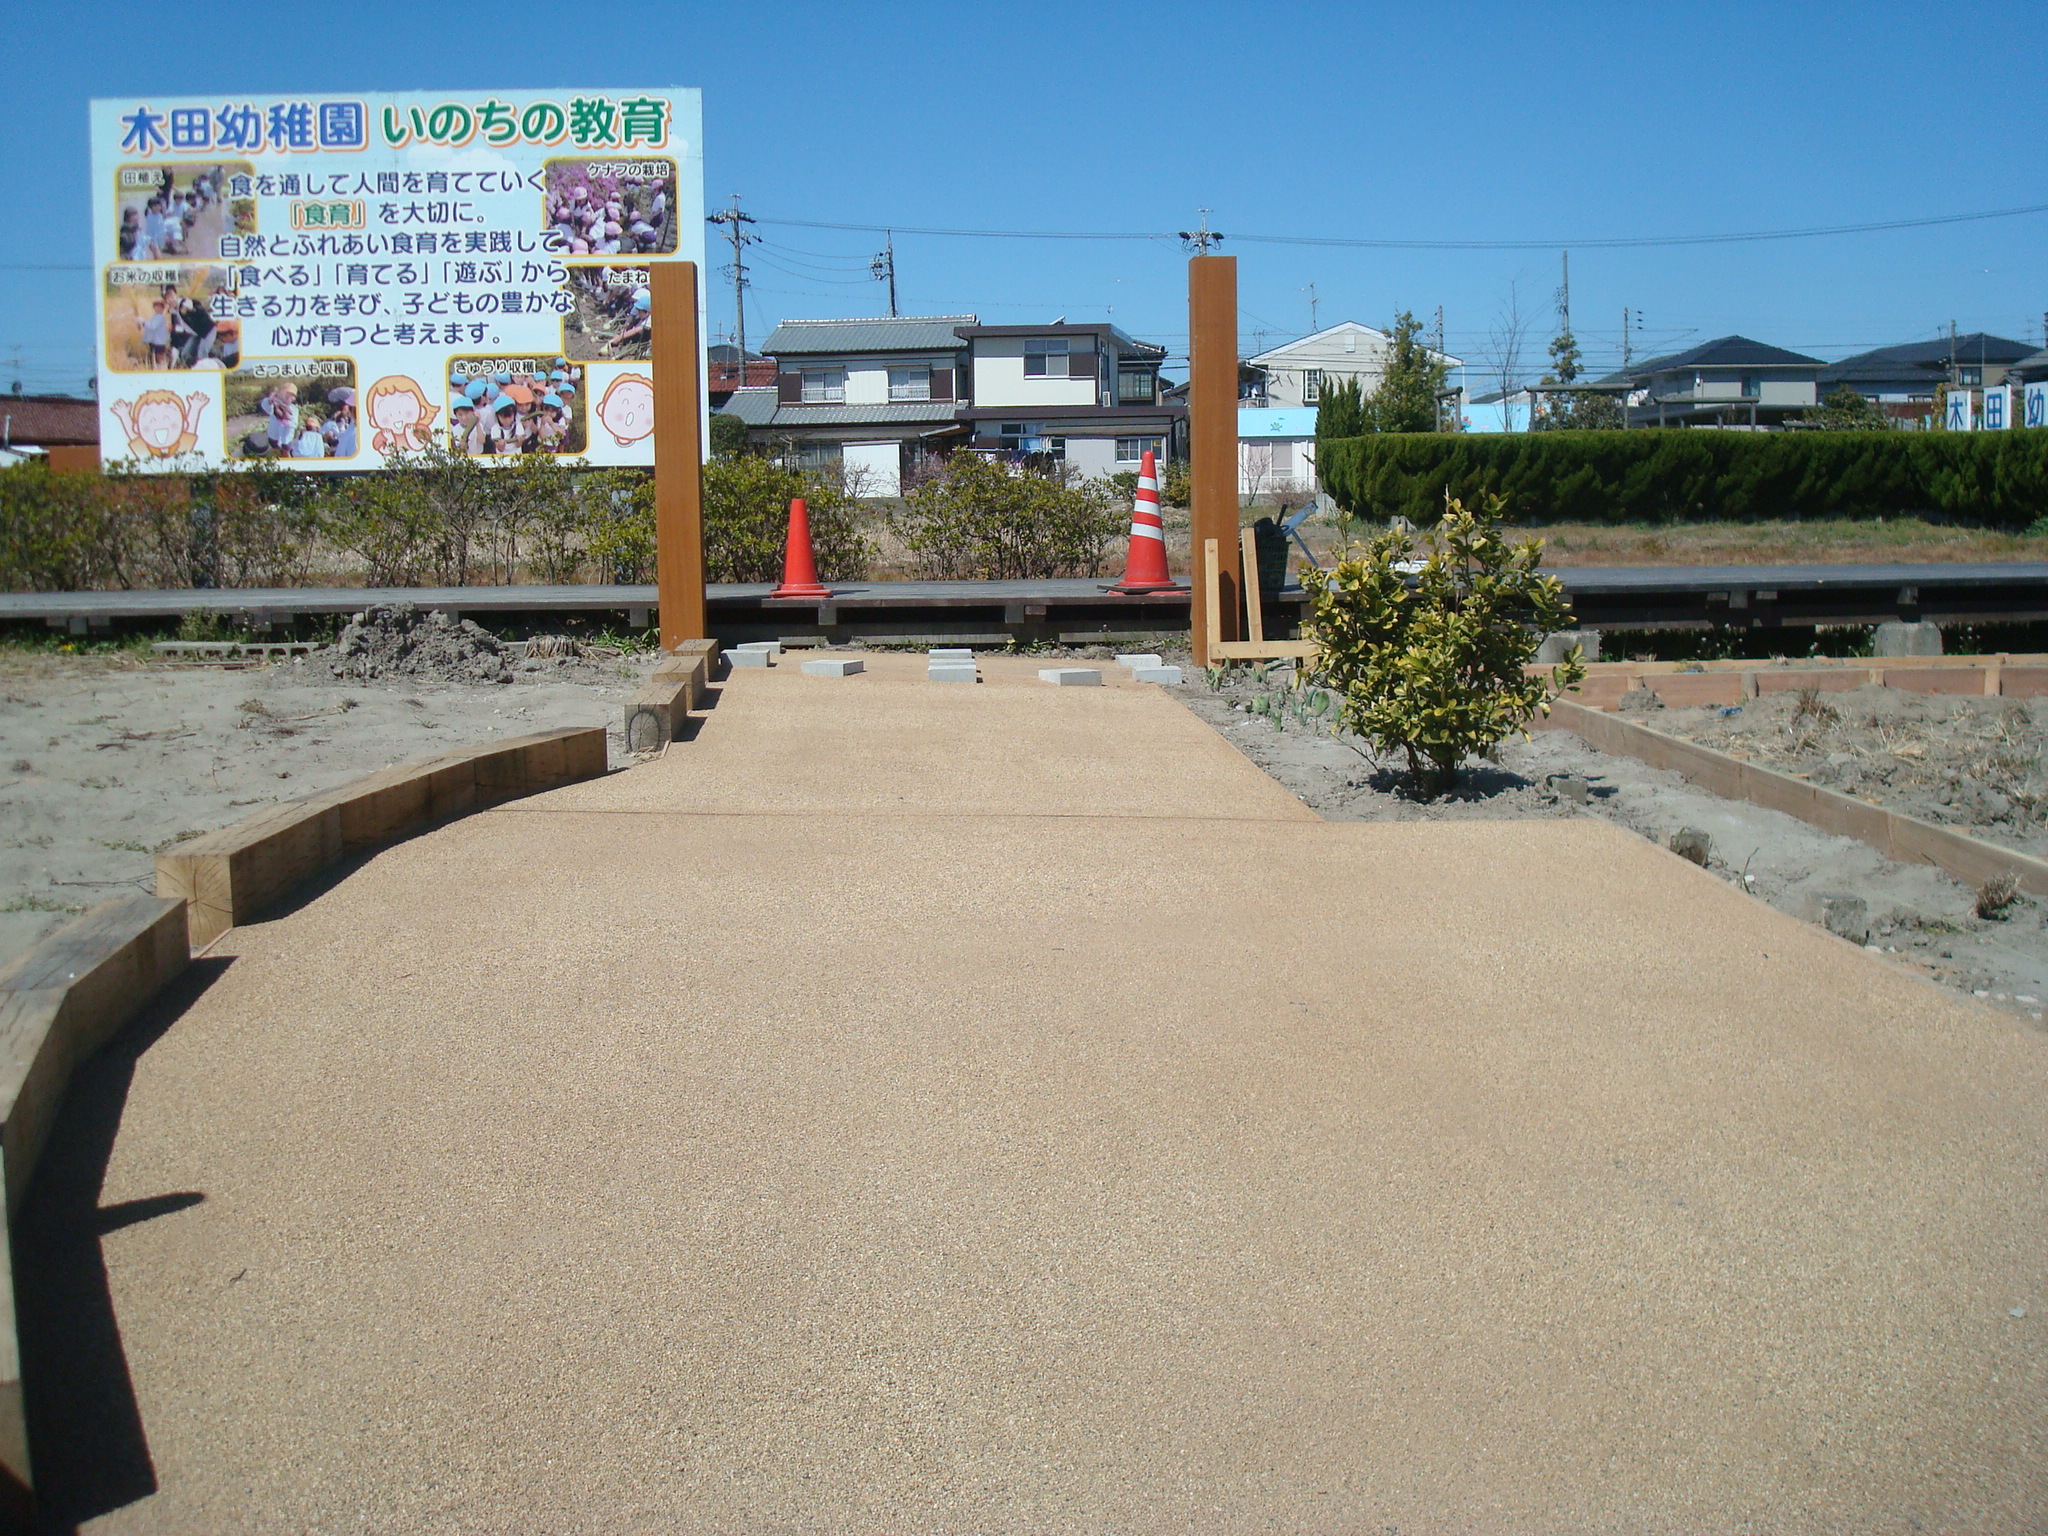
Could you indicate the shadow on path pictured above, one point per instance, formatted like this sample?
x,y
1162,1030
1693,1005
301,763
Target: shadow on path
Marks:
x,y
86,1441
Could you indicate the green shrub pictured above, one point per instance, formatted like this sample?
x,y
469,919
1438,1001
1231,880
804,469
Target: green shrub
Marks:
x,y
1994,479
981,520
746,522
1431,664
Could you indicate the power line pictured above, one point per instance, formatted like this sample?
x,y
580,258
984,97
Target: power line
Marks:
x,y
1616,243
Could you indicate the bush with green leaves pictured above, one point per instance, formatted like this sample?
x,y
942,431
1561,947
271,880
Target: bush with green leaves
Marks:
x,y
984,520
1430,663
746,522
1988,479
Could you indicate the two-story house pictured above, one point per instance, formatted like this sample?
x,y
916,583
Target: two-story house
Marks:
x,y
878,399
1084,395
1905,379
1293,374
1731,381
875,398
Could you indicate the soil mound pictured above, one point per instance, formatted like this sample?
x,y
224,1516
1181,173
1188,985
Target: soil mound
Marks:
x,y
398,640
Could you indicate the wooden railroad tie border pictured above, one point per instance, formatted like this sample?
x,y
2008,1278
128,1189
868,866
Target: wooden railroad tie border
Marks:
x,y
655,715
1892,833
226,877
60,1003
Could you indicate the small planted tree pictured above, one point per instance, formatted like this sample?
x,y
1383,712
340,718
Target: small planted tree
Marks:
x,y
1430,662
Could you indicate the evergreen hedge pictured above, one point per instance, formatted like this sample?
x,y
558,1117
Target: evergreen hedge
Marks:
x,y
1990,479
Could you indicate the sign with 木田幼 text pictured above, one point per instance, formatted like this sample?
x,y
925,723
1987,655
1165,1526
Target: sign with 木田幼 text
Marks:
x,y
328,281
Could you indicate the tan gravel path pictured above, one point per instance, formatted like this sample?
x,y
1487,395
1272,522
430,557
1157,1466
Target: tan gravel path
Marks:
x,y
911,1107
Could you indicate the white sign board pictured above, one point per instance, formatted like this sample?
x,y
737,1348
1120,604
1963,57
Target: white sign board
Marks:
x,y
327,280
1956,415
1997,408
2037,405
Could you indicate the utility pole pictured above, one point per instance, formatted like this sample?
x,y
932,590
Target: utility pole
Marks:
x,y
884,266
1564,296
1199,240
733,220
1313,301
1954,377
1439,330
1626,357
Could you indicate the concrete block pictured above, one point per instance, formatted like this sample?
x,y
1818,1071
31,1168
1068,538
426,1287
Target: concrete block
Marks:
x,y
1156,674
833,666
1847,917
1555,647
1070,677
747,656
953,672
772,647
1569,786
1145,660
1691,843
951,653
1901,639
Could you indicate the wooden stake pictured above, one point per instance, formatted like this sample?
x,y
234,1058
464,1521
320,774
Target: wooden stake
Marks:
x,y
678,452
1212,439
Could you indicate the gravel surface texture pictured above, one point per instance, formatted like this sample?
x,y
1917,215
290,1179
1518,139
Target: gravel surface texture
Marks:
x,y
1912,912
925,1107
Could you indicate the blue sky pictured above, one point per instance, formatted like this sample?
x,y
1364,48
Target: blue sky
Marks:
x,y
1482,122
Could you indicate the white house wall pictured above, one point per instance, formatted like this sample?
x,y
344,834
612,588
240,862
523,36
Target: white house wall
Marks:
x,y
999,378
872,469
1092,455
866,385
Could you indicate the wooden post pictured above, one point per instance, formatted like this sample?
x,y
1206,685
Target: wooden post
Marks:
x,y
678,452
1212,440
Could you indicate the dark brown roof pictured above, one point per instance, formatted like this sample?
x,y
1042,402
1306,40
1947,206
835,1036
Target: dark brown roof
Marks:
x,y
43,421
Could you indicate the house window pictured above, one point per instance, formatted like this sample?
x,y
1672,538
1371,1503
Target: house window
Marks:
x,y
819,458
1039,352
910,383
824,386
1970,377
1132,450
1011,437
1311,385
1750,388
1136,386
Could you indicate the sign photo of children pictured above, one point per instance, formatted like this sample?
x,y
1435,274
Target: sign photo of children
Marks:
x,y
181,210
292,408
500,406
610,207
160,318
608,317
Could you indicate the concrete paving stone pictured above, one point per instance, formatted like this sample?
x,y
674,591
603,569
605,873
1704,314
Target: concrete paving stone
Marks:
x,y
772,647
1071,677
833,666
1158,674
1147,660
750,656
951,653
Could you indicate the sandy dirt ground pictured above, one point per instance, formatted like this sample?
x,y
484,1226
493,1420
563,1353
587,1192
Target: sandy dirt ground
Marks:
x,y
1971,763
105,761
1917,915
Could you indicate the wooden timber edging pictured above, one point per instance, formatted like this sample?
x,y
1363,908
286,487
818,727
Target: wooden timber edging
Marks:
x,y
656,713
60,1003
1734,682
226,876
1892,833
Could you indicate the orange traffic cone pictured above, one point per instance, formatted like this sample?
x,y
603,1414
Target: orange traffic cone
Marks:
x,y
1145,568
799,569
